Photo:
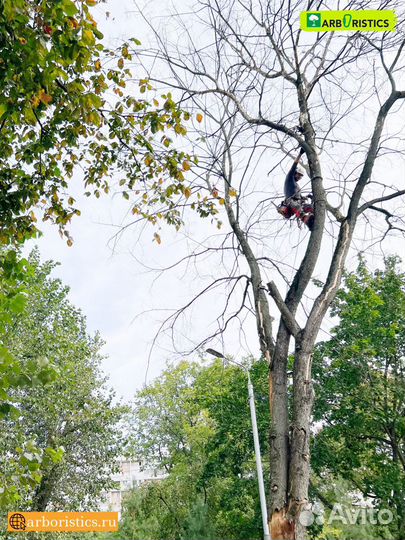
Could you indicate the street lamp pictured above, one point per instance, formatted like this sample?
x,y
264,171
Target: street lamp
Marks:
x,y
259,468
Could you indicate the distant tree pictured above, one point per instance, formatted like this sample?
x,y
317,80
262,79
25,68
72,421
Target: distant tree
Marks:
x,y
72,414
360,385
20,471
194,424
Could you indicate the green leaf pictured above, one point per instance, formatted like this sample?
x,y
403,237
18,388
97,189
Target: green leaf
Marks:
x,y
3,109
69,7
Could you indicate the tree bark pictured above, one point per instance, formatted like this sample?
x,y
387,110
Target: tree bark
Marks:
x,y
279,438
299,467
44,491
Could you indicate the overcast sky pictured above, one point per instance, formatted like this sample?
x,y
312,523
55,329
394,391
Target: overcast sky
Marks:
x,y
109,281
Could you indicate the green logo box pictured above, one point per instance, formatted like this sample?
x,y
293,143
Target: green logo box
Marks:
x,y
348,21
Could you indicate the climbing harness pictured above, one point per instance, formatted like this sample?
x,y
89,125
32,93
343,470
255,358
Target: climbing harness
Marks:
x,y
303,212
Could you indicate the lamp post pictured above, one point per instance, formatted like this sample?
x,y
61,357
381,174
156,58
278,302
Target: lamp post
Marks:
x,y
262,494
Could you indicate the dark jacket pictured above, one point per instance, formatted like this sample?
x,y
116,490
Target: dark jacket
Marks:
x,y
291,187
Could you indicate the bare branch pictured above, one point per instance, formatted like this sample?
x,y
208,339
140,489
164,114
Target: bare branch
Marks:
x,y
288,317
373,202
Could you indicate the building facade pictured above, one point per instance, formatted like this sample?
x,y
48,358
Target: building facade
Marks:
x,y
131,475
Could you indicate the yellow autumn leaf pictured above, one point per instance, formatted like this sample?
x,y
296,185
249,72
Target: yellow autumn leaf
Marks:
x,y
88,37
121,63
221,201
98,65
232,192
199,118
186,166
73,23
44,97
187,192
157,238
148,161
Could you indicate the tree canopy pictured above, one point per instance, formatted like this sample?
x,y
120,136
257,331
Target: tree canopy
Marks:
x,y
65,108
14,275
193,424
360,384
65,111
61,440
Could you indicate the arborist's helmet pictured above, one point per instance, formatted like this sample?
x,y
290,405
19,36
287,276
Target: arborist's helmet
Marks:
x,y
299,172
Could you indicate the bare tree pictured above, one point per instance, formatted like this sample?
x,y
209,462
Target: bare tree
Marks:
x,y
266,89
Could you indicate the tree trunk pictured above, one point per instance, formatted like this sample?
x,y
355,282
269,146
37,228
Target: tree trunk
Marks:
x,y
299,467
279,526
44,491
292,465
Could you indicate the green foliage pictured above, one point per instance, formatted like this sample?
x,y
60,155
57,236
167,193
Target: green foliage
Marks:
x,y
63,103
360,387
194,424
12,302
344,517
27,459
197,524
58,448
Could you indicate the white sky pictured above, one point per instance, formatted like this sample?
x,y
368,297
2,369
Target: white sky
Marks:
x,y
110,286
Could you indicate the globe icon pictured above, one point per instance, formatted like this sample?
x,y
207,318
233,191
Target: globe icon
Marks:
x,y
17,522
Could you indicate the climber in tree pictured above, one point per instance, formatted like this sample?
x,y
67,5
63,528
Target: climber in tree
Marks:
x,y
294,203
292,190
